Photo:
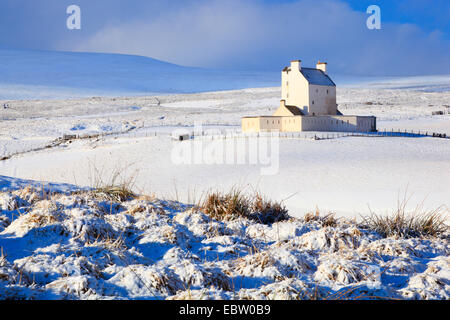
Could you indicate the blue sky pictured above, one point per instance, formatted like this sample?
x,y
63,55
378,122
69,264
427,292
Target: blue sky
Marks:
x,y
430,15
253,34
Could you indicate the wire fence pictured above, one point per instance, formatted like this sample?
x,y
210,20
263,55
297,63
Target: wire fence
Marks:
x,y
311,135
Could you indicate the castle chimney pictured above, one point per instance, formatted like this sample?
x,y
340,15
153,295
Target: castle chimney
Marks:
x,y
296,65
321,66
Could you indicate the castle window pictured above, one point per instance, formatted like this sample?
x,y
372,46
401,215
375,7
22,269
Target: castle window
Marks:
x,y
313,102
327,91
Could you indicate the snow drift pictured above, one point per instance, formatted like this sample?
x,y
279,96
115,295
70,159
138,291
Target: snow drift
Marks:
x,y
78,245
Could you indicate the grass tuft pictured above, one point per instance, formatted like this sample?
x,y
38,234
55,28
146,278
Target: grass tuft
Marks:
x,y
117,193
226,206
416,223
268,211
118,187
235,204
328,220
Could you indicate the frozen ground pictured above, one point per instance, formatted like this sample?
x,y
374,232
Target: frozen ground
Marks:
x,y
344,175
84,246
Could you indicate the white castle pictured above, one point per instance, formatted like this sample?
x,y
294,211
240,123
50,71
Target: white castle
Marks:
x,y
308,104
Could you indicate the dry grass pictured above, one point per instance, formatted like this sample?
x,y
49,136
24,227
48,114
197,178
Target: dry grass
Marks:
x,y
409,224
236,203
268,211
226,206
41,219
118,187
328,220
109,242
117,193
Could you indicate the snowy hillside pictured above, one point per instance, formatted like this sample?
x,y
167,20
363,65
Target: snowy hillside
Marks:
x,y
29,74
86,246
427,83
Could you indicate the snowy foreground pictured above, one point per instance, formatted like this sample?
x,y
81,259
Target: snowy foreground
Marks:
x,y
83,246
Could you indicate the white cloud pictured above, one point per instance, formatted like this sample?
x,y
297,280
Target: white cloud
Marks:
x,y
236,34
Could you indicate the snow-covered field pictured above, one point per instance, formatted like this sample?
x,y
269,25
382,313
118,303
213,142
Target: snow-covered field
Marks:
x,y
81,246
75,245
344,175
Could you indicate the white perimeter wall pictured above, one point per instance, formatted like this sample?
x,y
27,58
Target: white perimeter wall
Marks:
x,y
309,123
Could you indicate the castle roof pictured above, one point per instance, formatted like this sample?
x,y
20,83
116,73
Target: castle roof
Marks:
x,y
316,76
295,111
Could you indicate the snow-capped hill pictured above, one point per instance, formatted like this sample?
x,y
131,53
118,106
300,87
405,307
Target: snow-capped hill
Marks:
x,y
31,74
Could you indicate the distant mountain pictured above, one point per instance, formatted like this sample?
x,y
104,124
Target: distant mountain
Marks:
x,y
30,74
